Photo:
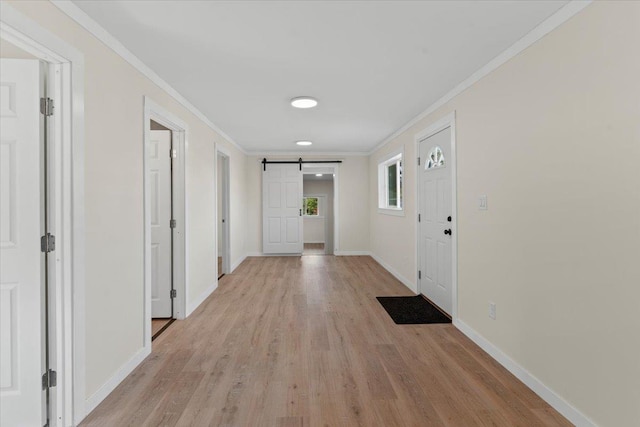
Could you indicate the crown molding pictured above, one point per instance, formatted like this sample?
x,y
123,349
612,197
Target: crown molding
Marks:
x,y
545,27
89,24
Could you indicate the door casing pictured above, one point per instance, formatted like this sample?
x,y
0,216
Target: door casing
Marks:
x,y
447,121
155,112
66,208
222,153
334,169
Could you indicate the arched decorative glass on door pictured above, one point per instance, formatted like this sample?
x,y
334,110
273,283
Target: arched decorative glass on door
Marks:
x,y
435,159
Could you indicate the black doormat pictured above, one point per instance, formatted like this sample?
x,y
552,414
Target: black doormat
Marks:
x,y
412,310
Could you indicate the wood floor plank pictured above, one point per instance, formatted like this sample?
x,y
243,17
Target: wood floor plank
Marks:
x,y
302,341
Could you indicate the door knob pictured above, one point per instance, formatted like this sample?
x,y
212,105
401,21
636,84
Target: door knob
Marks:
x,y
447,232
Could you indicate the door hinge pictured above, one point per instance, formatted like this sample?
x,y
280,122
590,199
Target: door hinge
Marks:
x,y
419,274
173,153
419,217
173,293
48,243
49,379
46,106
418,161
172,223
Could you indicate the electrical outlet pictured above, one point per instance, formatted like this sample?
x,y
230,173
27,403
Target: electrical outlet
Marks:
x,y
482,203
492,310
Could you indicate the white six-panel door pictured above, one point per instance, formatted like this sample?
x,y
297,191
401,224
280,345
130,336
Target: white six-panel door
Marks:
x,y
21,338
282,209
435,208
160,189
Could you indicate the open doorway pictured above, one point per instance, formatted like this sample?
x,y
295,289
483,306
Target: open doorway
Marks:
x,y
162,224
318,211
164,220
223,262
42,261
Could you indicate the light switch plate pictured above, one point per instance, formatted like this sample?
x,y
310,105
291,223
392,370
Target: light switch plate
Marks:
x,y
482,203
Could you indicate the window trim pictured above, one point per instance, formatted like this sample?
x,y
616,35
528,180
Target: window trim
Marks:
x,y
393,157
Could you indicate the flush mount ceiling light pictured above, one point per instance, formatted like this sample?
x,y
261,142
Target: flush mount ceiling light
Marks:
x,y
304,142
304,102
318,174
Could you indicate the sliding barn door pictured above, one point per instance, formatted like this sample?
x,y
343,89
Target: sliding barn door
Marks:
x,y
282,209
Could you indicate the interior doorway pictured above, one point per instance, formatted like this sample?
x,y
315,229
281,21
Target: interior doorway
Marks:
x,y
51,232
161,187
223,262
318,211
164,220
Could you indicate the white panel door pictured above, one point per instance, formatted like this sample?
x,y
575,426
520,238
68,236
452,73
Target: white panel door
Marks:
x,y
282,209
435,193
160,188
21,349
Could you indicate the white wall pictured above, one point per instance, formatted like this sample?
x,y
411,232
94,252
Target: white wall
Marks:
x,y
9,50
552,137
114,93
353,195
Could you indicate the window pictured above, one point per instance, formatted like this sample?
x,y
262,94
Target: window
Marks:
x,y
390,185
435,158
310,206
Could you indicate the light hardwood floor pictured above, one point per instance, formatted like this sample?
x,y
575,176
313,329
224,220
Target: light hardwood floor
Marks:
x,y
313,249
157,324
302,341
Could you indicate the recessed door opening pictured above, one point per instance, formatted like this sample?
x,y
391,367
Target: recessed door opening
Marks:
x,y
223,262
161,154
165,278
318,211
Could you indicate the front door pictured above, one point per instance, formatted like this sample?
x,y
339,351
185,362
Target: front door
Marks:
x,y
22,359
282,209
160,187
435,231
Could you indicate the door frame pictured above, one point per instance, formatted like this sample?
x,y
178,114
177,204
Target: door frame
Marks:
x,y
179,130
325,217
66,207
448,121
335,167
226,191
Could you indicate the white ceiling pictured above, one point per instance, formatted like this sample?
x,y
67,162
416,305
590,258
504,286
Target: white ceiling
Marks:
x,y
373,65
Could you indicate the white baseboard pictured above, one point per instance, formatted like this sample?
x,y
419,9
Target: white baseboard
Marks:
x,y
237,263
352,253
191,307
313,242
538,387
92,402
395,273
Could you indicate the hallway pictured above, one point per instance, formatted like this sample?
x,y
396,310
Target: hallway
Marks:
x,y
293,341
